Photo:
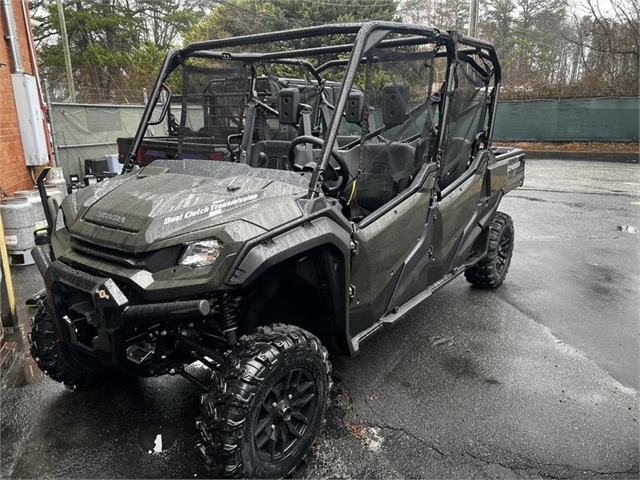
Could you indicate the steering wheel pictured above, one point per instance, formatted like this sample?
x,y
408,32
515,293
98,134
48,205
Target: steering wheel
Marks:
x,y
342,173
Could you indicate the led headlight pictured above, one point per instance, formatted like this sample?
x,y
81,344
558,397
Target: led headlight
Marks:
x,y
201,254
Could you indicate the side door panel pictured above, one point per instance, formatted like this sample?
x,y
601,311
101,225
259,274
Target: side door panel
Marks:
x,y
382,249
455,212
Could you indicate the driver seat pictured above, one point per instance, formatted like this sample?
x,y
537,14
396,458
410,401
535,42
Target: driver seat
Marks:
x,y
274,153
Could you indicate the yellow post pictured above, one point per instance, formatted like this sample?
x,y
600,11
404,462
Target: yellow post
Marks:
x,y
6,275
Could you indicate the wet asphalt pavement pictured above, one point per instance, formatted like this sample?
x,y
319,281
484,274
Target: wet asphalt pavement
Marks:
x,y
537,379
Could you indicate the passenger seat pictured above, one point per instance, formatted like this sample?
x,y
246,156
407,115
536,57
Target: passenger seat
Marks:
x,y
387,167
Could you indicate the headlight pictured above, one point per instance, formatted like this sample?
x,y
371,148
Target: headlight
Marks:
x,y
201,254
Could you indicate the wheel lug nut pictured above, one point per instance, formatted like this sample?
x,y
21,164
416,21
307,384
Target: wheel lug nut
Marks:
x,y
273,427
274,404
290,397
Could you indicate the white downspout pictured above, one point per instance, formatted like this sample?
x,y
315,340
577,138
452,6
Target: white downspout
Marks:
x,y
53,158
12,37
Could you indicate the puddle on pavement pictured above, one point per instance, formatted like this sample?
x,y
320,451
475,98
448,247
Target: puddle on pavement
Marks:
x,y
157,438
628,229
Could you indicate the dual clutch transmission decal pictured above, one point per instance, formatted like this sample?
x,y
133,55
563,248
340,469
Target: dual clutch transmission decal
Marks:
x,y
214,209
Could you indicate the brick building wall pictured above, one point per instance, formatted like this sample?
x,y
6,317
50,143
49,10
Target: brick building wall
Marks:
x,y
14,174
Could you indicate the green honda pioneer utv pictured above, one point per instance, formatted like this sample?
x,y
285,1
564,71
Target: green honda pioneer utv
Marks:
x,y
347,175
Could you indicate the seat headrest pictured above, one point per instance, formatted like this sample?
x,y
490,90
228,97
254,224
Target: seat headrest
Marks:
x,y
288,103
395,97
355,107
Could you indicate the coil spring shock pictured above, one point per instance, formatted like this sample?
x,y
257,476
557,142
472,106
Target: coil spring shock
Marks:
x,y
230,309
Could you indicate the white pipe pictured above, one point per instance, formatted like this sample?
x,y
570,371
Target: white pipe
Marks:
x,y
12,37
53,158
32,52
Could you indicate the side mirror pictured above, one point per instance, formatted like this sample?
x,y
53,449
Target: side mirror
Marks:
x,y
395,97
355,107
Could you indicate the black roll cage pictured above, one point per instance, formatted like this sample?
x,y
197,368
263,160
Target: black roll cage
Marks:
x,y
367,36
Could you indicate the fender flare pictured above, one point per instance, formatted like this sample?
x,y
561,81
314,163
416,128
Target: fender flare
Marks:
x,y
260,256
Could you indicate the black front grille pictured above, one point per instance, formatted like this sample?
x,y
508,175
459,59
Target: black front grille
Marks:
x,y
154,261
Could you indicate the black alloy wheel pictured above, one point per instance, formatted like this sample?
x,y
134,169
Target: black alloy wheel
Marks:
x,y
284,415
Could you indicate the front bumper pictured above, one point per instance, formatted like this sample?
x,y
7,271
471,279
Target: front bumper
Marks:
x,y
93,314
73,294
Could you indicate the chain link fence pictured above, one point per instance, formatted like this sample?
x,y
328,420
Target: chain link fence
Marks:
x,y
83,131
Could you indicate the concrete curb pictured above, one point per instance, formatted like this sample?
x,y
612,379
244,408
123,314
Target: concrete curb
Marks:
x,y
584,156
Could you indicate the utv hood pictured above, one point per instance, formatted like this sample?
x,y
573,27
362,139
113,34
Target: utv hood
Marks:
x,y
136,211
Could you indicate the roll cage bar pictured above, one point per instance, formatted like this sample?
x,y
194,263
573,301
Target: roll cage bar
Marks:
x,y
367,36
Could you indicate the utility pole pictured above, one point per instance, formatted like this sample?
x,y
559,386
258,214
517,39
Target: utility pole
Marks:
x,y
473,18
67,55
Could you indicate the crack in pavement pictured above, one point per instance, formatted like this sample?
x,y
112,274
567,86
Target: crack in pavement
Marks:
x,y
519,463
409,434
529,463
400,429
433,447
522,463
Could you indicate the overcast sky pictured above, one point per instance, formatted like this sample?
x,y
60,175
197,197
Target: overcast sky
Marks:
x,y
581,7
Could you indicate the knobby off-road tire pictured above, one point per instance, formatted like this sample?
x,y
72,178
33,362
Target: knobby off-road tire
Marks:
x,y
265,409
491,271
59,361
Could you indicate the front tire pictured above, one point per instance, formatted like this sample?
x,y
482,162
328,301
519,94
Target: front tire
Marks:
x,y
57,360
265,409
491,271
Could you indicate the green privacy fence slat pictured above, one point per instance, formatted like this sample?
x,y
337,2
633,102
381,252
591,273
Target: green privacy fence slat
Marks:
x,y
581,120
90,131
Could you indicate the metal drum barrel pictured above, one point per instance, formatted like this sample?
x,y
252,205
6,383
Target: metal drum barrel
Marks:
x,y
58,184
39,217
18,221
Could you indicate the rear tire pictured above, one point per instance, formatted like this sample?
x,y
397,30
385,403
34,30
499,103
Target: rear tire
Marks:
x,y
59,361
491,271
265,409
